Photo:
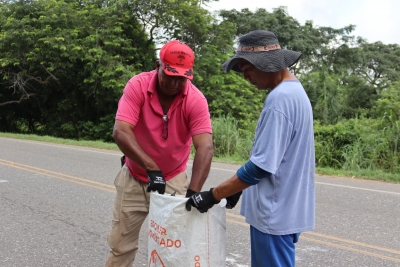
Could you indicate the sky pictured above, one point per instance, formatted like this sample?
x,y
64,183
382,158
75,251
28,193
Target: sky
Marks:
x,y
375,20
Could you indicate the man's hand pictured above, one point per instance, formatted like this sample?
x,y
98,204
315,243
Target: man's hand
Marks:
x,y
190,193
201,201
156,181
231,201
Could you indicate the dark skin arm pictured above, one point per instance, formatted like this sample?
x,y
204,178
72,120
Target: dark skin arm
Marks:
x,y
202,160
127,143
229,187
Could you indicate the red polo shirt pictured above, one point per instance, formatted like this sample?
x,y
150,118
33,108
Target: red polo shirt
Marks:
x,y
187,116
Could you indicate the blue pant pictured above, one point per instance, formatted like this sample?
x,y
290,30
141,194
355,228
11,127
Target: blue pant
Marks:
x,y
272,250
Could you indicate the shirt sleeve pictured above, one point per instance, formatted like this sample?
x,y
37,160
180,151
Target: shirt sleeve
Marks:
x,y
251,174
130,104
271,140
199,117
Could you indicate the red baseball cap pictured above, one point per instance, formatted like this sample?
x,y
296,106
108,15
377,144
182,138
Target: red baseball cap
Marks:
x,y
177,59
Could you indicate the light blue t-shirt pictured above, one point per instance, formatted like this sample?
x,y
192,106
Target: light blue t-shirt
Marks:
x,y
284,146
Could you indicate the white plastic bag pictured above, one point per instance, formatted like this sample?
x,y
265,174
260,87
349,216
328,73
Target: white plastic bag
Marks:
x,y
179,238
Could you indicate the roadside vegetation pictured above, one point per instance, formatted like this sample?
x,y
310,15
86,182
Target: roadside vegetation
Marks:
x,y
335,146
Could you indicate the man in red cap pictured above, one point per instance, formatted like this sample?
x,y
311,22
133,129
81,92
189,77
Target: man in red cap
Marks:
x,y
159,115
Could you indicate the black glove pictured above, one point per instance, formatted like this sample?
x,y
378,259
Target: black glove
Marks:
x,y
190,193
122,161
156,181
231,201
201,201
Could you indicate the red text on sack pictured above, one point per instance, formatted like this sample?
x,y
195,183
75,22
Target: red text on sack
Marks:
x,y
161,230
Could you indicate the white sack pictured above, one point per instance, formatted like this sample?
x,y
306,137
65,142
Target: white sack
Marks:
x,y
179,238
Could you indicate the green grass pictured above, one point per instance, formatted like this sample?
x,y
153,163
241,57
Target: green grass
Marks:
x,y
49,139
361,173
377,175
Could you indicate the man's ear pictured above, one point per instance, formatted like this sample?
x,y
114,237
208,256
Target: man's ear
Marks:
x,y
158,64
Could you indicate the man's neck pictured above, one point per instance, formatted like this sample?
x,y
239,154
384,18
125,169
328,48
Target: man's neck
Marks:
x,y
287,75
283,75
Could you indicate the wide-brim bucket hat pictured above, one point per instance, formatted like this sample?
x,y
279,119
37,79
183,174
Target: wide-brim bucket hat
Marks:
x,y
261,48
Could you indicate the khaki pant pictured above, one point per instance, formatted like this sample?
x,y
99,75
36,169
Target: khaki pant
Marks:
x,y
131,207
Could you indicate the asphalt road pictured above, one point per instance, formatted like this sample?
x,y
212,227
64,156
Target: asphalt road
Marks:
x,y
56,206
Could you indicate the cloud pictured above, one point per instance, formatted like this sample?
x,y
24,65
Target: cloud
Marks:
x,y
380,21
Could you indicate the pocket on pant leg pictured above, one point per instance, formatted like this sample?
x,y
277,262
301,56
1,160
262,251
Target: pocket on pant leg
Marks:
x,y
131,222
120,179
119,183
135,198
124,234
178,184
113,237
130,210
130,193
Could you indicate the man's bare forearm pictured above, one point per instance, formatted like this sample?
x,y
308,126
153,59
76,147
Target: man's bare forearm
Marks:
x,y
201,167
127,143
229,187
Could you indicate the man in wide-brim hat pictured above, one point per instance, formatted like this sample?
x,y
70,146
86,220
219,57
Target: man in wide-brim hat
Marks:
x,y
278,180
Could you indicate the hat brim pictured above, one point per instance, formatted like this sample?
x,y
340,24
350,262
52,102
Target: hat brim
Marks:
x,y
267,61
176,71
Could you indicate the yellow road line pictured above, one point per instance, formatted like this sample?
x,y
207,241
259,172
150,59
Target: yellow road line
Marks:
x,y
332,238
61,176
110,188
235,216
236,222
351,249
353,242
336,245
327,237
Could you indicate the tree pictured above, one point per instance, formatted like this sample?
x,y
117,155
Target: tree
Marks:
x,y
379,64
389,103
75,57
317,44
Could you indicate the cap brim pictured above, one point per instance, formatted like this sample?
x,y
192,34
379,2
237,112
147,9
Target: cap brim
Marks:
x,y
268,61
175,71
